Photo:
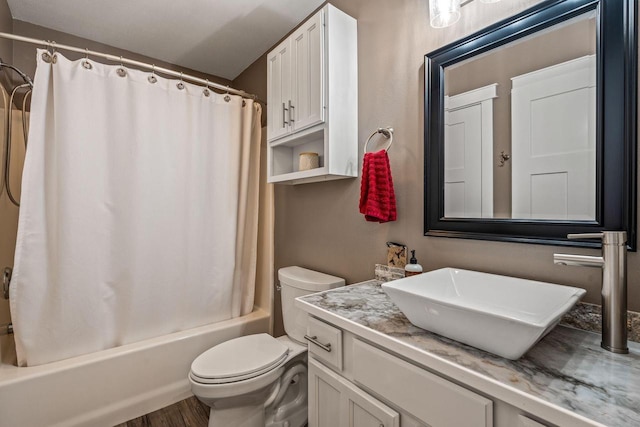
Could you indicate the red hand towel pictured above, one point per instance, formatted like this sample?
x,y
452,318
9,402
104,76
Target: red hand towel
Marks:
x,y
377,198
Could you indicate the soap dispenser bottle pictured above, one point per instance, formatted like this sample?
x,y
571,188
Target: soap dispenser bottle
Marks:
x,y
413,267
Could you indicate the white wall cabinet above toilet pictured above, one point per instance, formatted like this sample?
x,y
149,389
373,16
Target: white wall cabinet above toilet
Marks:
x,y
296,78
313,100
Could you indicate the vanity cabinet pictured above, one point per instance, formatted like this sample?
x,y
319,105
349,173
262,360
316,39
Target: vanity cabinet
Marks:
x,y
432,399
353,383
335,402
312,100
342,368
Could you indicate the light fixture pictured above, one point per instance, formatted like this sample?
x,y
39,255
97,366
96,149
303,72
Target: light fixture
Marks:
x,y
443,13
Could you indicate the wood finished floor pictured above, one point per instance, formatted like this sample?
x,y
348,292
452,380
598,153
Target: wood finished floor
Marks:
x,y
186,413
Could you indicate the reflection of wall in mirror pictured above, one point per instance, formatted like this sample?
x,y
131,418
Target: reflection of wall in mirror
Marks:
x,y
561,43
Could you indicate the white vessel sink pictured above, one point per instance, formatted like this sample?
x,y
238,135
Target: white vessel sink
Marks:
x,y
499,314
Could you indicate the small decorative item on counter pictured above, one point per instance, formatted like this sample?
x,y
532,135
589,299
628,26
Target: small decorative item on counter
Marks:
x,y
413,267
396,255
308,160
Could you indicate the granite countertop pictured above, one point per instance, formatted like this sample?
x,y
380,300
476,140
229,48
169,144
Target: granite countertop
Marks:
x,y
566,371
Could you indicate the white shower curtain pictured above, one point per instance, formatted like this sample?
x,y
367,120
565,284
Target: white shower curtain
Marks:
x,y
139,210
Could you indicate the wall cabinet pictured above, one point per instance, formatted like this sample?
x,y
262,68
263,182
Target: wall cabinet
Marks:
x,y
278,89
312,100
296,78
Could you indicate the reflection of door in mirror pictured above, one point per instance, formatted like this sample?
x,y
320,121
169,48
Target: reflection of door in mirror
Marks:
x,y
468,148
553,122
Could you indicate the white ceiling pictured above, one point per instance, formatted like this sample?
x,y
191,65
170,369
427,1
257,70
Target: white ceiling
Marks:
x,y
219,37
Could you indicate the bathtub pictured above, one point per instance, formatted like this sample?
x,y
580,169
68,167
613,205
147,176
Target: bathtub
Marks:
x,y
112,386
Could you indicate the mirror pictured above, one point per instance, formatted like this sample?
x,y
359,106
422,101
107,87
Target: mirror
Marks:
x,y
530,126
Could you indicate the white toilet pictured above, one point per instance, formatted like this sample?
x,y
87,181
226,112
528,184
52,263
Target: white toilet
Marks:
x,y
258,380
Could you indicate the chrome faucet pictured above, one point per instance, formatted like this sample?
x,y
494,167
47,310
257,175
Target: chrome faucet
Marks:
x,y
614,284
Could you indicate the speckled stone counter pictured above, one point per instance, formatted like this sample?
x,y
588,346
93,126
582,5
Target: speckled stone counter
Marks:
x,y
567,370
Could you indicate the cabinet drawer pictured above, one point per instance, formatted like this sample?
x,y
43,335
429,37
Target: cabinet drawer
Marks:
x,y
430,398
325,342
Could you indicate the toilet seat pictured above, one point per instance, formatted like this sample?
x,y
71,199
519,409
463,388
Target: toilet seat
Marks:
x,y
239,359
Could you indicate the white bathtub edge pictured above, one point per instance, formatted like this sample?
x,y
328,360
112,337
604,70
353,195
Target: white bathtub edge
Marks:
x,y
115,385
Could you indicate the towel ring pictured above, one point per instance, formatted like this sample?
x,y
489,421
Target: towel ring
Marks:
x,y
387,132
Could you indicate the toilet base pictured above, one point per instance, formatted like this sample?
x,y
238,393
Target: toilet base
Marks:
x,y
297,419
292,410
243,416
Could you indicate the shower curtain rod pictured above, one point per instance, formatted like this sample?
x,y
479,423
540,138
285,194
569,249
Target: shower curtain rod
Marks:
x,y
53,45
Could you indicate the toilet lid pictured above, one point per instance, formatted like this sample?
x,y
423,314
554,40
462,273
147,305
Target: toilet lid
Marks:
x,y
239,358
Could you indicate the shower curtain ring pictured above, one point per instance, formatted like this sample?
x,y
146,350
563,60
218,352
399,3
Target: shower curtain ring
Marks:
x,y
52,50
206,89
180,84
46,56
122,72
152,77
86,64
227,98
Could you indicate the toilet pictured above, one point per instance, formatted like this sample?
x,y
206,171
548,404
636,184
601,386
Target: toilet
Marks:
x,y
258,380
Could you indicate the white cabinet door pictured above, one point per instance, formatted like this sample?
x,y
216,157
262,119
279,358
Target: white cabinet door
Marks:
x,y
468,153
462,163
278,90
431,399
365,411
554,142
325,396
335,402
307,69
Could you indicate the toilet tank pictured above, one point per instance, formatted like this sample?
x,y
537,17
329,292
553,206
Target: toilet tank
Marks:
x,y
296,282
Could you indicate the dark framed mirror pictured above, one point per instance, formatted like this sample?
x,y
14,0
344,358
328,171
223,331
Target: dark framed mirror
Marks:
x,y
530,126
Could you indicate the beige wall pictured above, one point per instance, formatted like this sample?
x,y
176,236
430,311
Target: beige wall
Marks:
x,y
8,212
569,42
318,225
6,26
24,53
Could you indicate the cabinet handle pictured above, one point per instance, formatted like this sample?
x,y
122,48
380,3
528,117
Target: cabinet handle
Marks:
x,y
291,107
314,339
284,115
